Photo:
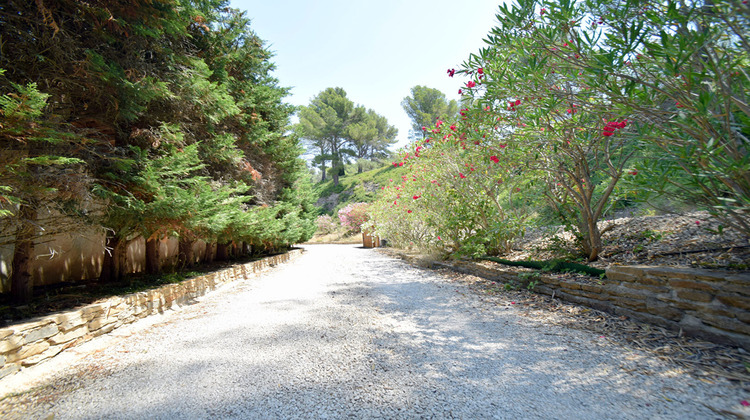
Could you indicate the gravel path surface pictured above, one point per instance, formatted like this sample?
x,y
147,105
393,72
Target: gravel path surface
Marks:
x,y
346,332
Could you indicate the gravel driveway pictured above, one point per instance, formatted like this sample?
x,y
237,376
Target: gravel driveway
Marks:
x,y
346,332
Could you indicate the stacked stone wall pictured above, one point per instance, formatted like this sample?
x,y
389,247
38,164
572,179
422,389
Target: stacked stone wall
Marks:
x,y
29,343
713,305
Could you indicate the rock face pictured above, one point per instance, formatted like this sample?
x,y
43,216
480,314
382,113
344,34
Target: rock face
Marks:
x,y
32,342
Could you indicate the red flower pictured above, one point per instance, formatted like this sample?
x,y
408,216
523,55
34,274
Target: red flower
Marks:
x,y
451,72
460,92
424,128
408,211
453,127
607,133
470,84
480,70
495,159
542,12
416,197
461,175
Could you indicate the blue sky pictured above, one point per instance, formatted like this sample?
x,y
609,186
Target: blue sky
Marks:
x,y
376,50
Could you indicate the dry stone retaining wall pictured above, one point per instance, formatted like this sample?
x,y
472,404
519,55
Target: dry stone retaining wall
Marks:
x,y
709,304
32,342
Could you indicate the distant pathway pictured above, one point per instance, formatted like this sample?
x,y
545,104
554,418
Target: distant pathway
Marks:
x,y
346,332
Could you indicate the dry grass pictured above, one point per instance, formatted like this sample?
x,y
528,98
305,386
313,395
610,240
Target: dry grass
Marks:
x,y
339,237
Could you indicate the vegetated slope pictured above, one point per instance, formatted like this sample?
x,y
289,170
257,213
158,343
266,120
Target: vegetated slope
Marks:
x,y
354,188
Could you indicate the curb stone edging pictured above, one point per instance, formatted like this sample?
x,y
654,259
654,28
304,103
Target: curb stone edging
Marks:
x,y
711,305
34,341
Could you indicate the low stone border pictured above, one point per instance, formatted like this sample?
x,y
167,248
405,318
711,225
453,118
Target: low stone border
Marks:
x,y
713,305
40,339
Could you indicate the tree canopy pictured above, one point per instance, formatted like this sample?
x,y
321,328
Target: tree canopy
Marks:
x,y
338,130
425,107
165,113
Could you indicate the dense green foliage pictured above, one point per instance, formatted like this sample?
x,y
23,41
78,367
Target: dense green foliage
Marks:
x,y
149,118
574,106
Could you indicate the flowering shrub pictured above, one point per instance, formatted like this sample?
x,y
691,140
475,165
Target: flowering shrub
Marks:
x,y
457,195
353,216
326,224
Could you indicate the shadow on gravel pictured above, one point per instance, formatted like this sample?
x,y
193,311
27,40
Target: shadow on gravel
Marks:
x,y
405,343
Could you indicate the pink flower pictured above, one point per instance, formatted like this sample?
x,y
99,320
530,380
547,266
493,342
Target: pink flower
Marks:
x,y
416,197
453,127
744,402
542,12
697,223
495,159
451,72
424,128
461,175
480,70
460,92
470,84
408,211
440,239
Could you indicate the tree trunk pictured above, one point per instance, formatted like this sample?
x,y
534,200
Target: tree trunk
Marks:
x,y
210,253
21,283
153,256
114,265
186,256
222,252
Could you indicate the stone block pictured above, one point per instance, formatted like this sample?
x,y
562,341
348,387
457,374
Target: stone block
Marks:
x,y
660,309
738,279
41,333
105,329
692,285
735,301
570,285
672,272
28,351
92,311
594,288
65,337
624,291
11,343
744,316
6,332
725,323
613,273
636,304
9,369
649,288
736,288
70,320
694,295
651,280
100,321
49,353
